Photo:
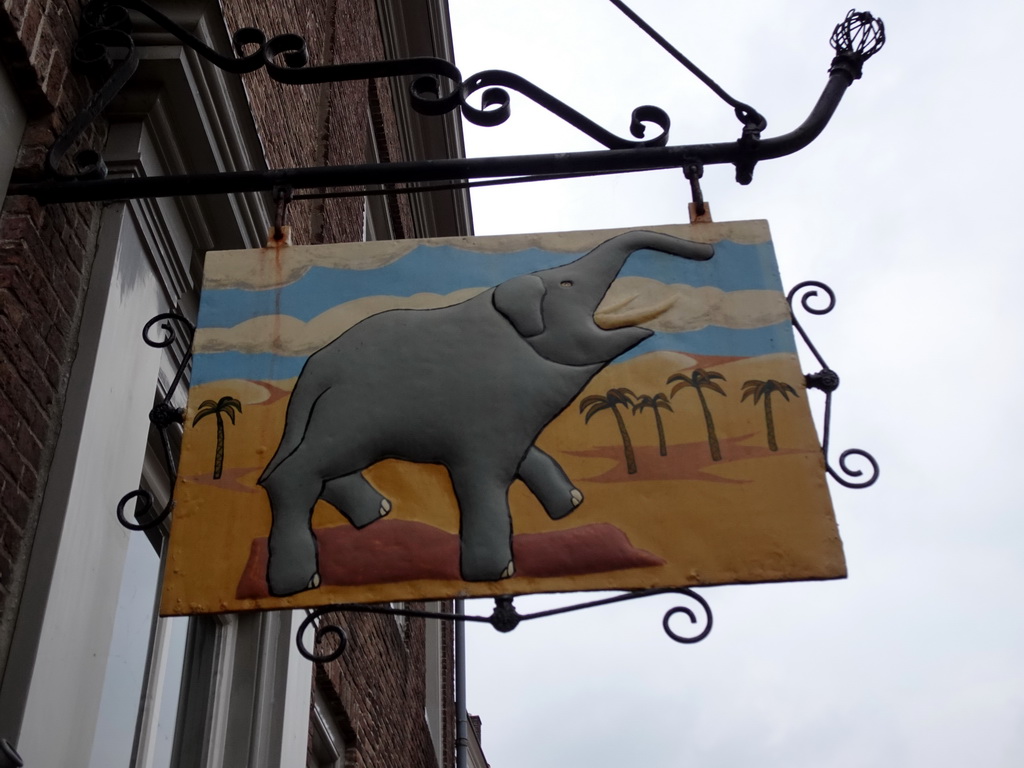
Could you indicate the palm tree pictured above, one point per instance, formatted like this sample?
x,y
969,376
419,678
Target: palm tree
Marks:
x,y
700,380
654,402
224,405
611,401
764,389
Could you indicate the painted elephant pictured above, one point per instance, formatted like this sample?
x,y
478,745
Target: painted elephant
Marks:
x,y
469,387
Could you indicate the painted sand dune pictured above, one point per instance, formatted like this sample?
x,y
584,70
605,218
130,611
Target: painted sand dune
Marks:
x,y
400,550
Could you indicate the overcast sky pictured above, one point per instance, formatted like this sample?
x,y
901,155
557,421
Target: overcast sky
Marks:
x,y
905,207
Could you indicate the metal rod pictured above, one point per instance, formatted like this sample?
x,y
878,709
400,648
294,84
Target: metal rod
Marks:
x,y
745,112
461,709
424,188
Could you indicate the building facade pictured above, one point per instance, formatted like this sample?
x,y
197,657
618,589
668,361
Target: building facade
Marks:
x,y
90,675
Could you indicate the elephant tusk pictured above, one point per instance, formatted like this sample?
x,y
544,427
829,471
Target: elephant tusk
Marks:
x,y
620,315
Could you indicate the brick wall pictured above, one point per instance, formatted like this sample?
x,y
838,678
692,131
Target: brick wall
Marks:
x,y
377,691
45,256
329,124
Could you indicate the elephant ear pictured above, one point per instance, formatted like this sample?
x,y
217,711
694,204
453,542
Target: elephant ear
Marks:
x,y
521,300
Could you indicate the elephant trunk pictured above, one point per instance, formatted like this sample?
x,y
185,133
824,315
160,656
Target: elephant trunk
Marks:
x,y
593,273
605,261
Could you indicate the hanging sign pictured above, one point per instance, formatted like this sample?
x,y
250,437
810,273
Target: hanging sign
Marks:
x,y
496,415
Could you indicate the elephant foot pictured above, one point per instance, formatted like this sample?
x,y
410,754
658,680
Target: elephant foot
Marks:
x,y
549,483
292,564
566,505
283,584
472,572
356,499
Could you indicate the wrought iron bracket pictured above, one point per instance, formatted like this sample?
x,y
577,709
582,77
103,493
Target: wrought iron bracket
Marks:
x,y
330,639
162,416
827,381
107,50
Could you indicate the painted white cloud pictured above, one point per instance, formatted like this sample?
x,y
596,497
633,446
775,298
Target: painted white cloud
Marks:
x,y
266,268
286,335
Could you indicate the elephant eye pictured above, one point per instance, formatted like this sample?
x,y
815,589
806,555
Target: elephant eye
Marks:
x,y
567,283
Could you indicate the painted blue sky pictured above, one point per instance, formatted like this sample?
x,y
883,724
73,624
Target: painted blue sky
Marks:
x,y
444,269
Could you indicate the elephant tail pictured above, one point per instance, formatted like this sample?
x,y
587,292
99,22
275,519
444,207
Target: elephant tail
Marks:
x,y
300,407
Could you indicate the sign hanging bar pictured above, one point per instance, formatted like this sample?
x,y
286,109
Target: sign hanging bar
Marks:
x,y
106,47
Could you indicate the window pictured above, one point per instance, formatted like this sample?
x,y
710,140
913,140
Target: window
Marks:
x,y
144,669
434,669
326,742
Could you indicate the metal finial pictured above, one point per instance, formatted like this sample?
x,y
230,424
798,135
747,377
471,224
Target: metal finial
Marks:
x,y
860,34
505,617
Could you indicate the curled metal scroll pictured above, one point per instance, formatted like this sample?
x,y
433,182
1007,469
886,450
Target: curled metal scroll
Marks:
x,y
504,618
162,416
496,107
143,510
707,621
827,380
853,472
322,632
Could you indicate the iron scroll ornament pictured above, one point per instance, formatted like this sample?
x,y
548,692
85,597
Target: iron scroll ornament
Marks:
x,y
162,416
827,380
107,49
504,618
285,57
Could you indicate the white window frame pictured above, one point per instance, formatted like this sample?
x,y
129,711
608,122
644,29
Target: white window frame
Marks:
x,y
434,687
327,743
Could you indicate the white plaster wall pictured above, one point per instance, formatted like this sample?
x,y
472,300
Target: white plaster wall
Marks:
x,y
103,446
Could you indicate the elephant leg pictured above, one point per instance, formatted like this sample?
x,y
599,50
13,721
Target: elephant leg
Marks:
x,y
292,562
549,483
486,524
356,499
